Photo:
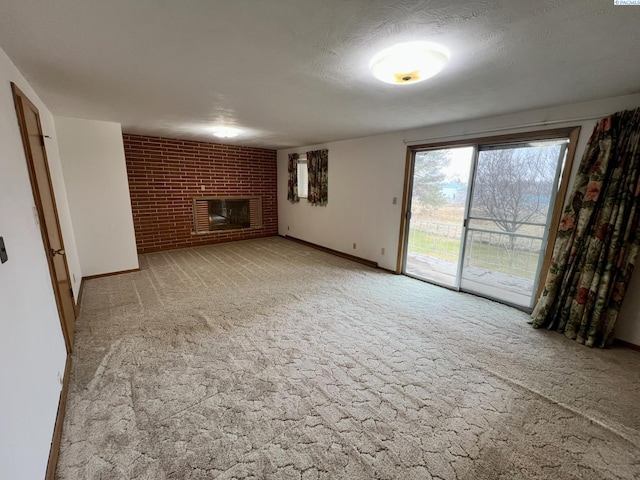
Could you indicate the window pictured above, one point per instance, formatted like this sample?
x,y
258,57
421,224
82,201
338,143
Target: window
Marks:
x,y
303,178
308,177
214,213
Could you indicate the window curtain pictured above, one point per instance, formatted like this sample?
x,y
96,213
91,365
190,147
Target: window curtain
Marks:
x,y
318,166
597,242
292,187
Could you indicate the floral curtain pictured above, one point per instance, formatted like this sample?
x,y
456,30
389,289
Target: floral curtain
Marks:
x,y
318,165
597,242
292,187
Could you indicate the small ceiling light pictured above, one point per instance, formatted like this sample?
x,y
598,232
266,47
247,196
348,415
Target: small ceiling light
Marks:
x,y
226,132
411,62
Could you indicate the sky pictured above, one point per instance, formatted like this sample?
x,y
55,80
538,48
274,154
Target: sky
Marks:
x,y
460,165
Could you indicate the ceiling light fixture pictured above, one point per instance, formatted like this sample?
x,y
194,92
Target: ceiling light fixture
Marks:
x,y
411,62
226,132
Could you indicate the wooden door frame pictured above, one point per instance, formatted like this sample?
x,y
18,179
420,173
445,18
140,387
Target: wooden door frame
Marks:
x,y
20,99
572,133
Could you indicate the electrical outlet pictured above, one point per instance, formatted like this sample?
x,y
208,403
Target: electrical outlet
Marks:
x,y
395,200
354,246
202,187
287,228
382,251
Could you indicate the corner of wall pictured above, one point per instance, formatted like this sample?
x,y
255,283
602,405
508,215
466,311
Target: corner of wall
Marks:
x,y
93,162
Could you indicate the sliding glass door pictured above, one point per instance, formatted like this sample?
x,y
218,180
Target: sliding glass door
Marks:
x,y
440,181
478,217
513,191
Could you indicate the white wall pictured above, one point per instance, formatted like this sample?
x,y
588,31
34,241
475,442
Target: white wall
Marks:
x,y
32,349
365,174
95,175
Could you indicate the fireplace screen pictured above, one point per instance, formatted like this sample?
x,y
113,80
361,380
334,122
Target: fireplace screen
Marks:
x,y
213,214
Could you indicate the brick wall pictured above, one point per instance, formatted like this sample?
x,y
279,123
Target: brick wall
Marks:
x,y
165,174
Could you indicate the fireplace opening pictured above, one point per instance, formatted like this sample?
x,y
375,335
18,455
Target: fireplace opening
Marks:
x,y
213,214
228,214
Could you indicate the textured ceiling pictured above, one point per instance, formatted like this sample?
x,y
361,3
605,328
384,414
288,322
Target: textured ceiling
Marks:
x,y
295,72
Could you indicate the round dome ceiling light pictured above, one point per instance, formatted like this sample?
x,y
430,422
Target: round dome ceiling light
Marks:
x,y
226,132
411,62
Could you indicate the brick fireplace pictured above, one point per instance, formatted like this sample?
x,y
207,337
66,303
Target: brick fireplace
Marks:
x,y
166,175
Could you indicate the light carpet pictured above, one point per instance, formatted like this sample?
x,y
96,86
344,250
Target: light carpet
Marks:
x,y
267,359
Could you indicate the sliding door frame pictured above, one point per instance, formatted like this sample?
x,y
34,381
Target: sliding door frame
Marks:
x,y
572,133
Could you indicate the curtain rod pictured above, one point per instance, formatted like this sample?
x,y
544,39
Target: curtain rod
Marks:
x,y
501,129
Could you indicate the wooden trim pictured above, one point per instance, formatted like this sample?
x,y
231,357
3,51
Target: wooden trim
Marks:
x,y
76,301
121,272
80,292
76,307
625,344
20,100
557,209
388,270
364,261
511,137
404,208
57,430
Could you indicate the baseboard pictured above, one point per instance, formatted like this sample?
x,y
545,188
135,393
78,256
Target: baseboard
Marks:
x,y
121,272
353,258
629,345
79,299
57,430
388,270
